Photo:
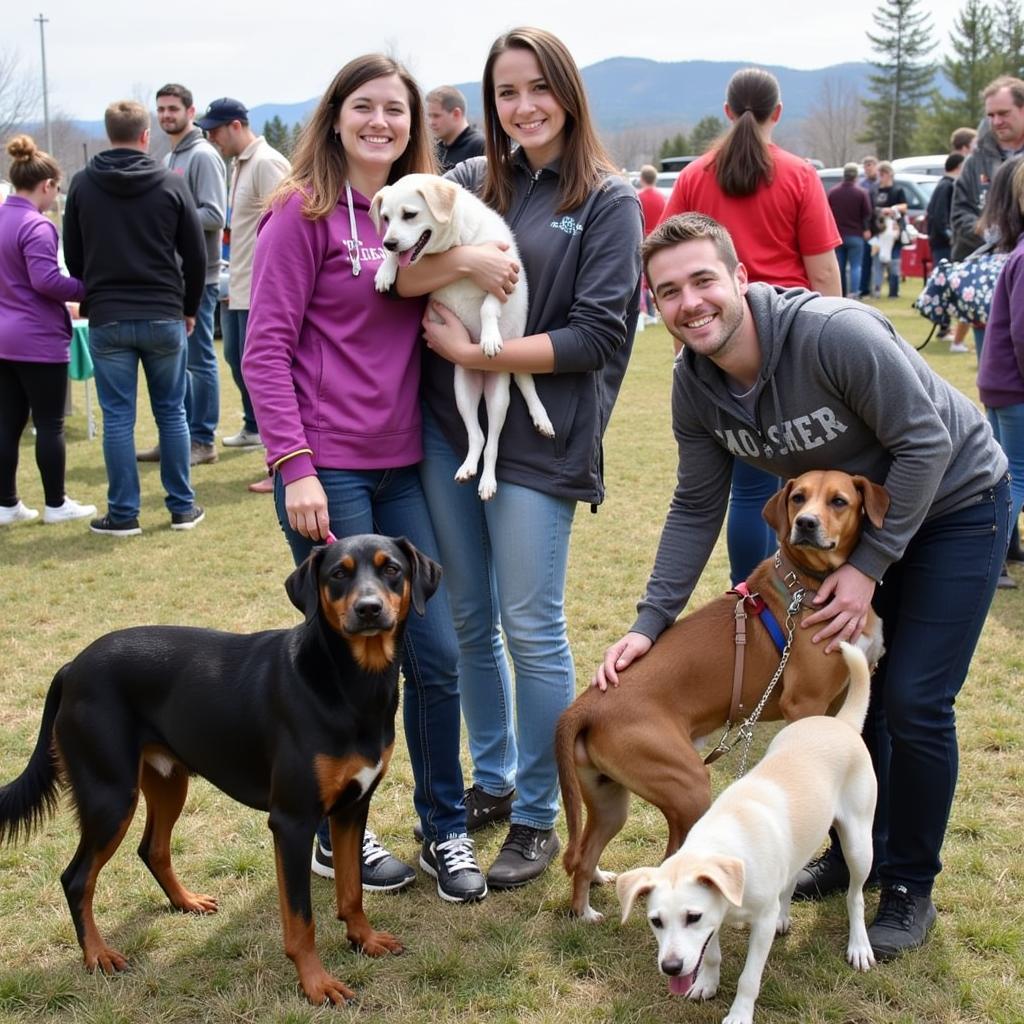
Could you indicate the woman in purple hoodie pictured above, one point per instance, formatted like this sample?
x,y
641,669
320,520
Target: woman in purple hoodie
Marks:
x,y
333,369
35,335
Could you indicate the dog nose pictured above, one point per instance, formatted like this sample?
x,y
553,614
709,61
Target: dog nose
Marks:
x,y
806,522
369,608
672,967
391,246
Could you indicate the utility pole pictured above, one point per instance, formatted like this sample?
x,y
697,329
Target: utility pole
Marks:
x,y
46,99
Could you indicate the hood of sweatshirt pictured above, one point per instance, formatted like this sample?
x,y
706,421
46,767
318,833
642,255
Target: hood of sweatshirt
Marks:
x,y
189,141
124,172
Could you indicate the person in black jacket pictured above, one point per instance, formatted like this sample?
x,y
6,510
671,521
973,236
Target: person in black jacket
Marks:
x,y
457,139
132,234
940,226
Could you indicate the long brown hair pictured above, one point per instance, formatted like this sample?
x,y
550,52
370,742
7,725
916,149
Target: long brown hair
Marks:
x,y
1004,204
585,162
319,169
742,160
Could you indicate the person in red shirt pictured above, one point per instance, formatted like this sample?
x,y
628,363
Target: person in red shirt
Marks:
x,y
652,206
774,206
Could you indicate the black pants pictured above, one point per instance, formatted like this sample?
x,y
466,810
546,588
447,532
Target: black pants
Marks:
x,y
41,388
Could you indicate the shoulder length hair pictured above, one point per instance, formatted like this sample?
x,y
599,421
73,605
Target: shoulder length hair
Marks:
x,y
585,162
319,168
1004,204
742,160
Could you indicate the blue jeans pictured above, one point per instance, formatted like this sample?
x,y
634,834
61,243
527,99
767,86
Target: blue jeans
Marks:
x,y
233,324
117,349
749,538
1008,426
933,603
851,253
390,501
979,340
895,271
202,398
505,562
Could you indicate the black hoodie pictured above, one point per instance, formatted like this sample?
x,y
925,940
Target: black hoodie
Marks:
x,y
131,232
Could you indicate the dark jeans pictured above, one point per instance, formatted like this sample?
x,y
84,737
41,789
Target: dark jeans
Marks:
x,y
851,253
749,538
390,501
233,324
41,388
933,603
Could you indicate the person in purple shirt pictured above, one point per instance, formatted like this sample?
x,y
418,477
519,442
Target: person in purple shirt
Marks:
x,y
35,335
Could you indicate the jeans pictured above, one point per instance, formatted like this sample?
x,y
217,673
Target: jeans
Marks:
x,y
233,324
749,538
117,349
505,562
390,501
851,253
979,340
1008,426
867,271
933,603
202,397
895,271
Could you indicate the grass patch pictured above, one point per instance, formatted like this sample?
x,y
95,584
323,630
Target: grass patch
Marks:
x,y
517,957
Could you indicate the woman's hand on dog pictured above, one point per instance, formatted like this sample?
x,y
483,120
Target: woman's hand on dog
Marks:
x,y
447,336
306,506
491,268
843,602
619,656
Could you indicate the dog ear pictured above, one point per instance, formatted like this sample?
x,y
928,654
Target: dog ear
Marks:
x,y
774,511
876,500
727,875
375,206
631,884
303,585
425,574
440,199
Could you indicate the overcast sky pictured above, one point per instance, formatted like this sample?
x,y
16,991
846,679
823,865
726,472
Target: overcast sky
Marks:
x,y
261,51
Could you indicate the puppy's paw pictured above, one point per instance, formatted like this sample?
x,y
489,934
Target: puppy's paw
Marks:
x,y
466,471
783,924
490,340
738,1018
603,877
590,916
860,956
488,486
385,276
543,425
705,987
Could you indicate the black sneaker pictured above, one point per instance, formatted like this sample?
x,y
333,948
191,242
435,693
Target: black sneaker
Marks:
x,y
114,528
148,454
481,809
826,875
453,864
188,520
379,870
902,922
525,855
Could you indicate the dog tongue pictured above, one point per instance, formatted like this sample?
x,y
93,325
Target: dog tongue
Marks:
x,y
681,984
405,258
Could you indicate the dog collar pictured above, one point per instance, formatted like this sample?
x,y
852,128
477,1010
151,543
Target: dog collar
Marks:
x,y
788,578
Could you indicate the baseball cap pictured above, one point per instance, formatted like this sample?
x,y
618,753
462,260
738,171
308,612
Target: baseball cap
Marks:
x,y
222,111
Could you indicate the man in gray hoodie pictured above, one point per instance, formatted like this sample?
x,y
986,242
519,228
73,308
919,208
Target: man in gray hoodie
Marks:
x,y
792,381
201,166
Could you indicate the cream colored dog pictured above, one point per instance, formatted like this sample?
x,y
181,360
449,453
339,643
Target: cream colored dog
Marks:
x,y
421,214
740,861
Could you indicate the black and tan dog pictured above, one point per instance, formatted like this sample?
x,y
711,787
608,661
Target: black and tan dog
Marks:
x,y
639,737
297,722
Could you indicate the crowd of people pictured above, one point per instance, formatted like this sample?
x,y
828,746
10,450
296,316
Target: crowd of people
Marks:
x,y
749,264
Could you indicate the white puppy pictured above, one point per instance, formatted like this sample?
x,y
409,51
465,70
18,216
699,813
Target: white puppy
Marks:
x,y
740,861
422,214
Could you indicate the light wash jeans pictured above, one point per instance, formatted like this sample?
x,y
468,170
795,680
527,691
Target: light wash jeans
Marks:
x,y
1008,426
117,349
505,564
202,399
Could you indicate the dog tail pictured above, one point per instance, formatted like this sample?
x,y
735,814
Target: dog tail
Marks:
x,y
571,724
855,707
32,797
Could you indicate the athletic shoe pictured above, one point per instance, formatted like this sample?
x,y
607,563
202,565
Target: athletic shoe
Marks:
x,y
113,528
67,511
958,347
481,809
453,864
20,513
148,454
902,922
188,520
1006,581
525,855
825,875
380,871
243,439
265,485
202,454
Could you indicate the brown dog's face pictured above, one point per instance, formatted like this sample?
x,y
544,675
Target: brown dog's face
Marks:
x,y
820,514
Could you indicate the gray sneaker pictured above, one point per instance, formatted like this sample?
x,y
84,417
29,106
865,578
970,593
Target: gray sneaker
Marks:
x,y
453,864
202,454
188,520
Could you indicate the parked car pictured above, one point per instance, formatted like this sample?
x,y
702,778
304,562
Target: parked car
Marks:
x,y
918,187
933,165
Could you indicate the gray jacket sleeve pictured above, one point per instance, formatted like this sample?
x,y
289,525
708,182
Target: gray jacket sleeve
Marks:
x,y
967,202
208,184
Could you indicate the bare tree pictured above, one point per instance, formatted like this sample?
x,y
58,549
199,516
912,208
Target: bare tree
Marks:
x,y
18,93
834,122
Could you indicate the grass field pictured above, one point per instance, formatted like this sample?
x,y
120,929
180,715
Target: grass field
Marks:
x,y
517,956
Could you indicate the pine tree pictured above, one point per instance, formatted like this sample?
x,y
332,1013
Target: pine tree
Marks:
x,y
705,132
276,133
675,146
903,78
1008,45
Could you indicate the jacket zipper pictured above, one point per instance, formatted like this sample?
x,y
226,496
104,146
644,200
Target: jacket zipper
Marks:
x,y
526,198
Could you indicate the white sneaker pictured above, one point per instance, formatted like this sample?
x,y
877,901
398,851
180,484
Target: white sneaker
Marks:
x,y
243,439
19,513
71,509
954,347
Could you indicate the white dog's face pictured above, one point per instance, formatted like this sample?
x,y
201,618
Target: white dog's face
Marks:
x,y
684,909
412,213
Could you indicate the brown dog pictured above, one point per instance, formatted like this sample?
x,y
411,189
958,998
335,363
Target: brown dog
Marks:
x,y
639,738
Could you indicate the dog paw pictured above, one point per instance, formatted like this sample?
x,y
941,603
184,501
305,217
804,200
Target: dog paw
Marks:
x,y
490,341
378,944
860,957
703,988
384,278
590,915
544,426
783,924
603,877
488,486
466,471
108,960
738,1018
321,988
196,903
